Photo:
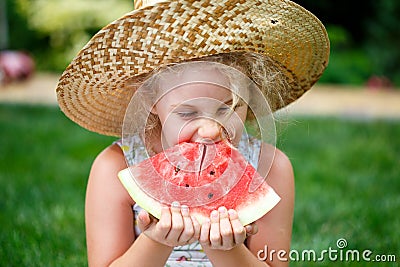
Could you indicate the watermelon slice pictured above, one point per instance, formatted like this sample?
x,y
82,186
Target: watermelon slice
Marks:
x,y
202,176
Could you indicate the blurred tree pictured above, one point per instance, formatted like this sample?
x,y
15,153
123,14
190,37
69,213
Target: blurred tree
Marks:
x,y
350,15
383,40
3,25
68,25
364,37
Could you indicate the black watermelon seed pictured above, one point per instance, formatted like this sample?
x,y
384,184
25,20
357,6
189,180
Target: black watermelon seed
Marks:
x,y
177,169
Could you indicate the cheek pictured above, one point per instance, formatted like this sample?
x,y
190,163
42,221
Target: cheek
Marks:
x,y
235,126
186,133
238,118
235,130
175,132
242,112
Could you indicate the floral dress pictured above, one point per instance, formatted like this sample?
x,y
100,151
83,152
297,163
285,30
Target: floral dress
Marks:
x,y
191,255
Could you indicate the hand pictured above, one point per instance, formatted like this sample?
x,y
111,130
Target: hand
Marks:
x,y
224,231
175,227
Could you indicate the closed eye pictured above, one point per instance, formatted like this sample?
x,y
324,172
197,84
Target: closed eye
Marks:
x,y
227,108
188,114
224,110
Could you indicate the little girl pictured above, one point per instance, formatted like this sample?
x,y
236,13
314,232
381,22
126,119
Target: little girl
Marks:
x,y
181,63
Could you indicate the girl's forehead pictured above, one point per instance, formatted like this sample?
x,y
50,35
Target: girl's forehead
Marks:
x,y
196,90
191,75
202,79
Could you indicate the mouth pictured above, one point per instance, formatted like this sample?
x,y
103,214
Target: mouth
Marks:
x,y
224,135
206,141
207,153
203,156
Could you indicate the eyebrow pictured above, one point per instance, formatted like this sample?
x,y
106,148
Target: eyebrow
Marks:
x,y
173,106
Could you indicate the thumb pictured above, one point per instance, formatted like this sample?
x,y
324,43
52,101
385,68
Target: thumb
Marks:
x,y
144,220
251,229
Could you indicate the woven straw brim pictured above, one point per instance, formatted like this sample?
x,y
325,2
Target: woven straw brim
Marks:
x,y
92,89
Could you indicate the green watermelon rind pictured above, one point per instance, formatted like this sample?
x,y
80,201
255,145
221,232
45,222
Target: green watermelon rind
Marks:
x,y
141,198
248,212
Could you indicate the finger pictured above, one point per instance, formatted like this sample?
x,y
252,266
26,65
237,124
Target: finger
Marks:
x,y
215,235
239,231
188,228
225,228
205,233
196,227
143,220
177,222
251,229
164,224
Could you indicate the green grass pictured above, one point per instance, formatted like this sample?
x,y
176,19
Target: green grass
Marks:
x,y
44,164
347,185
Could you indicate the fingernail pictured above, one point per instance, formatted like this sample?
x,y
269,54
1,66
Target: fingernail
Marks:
x,y
232,212
185,210
222,210
249,228
214,214
175,204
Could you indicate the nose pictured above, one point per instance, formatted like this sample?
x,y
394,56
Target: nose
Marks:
x,y
209,129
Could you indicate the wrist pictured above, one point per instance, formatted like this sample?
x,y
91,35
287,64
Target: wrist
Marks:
x,y
144,252
221,250
154,243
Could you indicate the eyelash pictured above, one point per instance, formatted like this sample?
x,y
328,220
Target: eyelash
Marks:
x,y
222,110
229,108
186,114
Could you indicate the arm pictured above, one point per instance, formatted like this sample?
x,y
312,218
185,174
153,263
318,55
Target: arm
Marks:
x,y
274,229
110,233
109,219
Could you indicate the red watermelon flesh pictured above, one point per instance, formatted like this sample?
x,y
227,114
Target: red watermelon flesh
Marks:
x,y
201,176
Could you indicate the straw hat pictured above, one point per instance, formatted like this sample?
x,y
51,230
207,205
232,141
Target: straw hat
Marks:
x,y
92,89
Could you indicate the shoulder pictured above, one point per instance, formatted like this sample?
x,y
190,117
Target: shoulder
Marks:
x,y
110,160
281,163
111,153
276,164
281,178
108,208
104,173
